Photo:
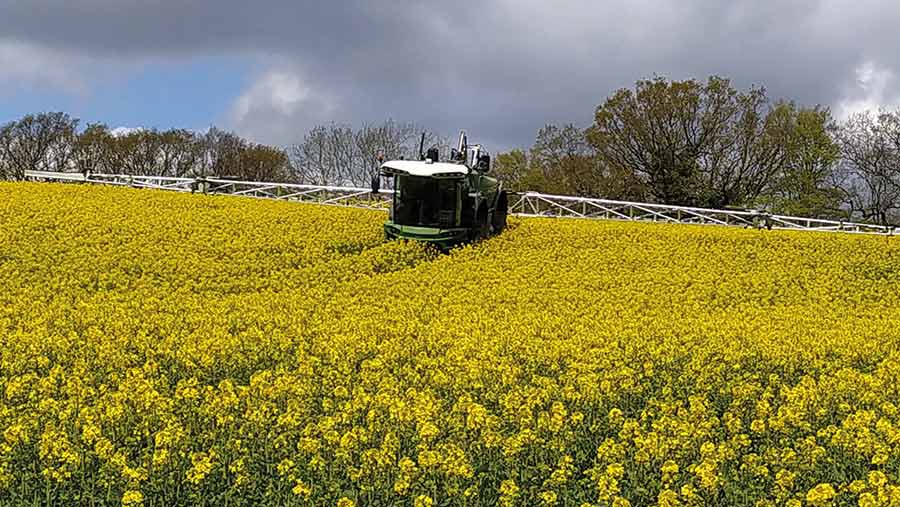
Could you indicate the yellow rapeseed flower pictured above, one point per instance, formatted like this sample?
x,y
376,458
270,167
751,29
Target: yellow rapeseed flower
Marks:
x,y
821,494
187,346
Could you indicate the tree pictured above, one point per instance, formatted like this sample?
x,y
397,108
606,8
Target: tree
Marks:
x,y
180,152
94,150
389,139
51,142
263,163
512,169
806,186
42,142
745,156
313,161
655,131
221,153
561,161
693,143
6,139
137,153
339,154
869,174
564,161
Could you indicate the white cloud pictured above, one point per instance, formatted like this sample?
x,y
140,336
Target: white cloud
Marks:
x,y
875,87
23,64
278,107
519,64
280,91
124,131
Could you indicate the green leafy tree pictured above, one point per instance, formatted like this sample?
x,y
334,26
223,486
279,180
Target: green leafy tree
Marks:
x,y
693,143
563,162
512,169
263,163
656,130
807,184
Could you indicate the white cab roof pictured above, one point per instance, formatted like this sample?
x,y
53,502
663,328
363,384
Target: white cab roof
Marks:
x,y
416,168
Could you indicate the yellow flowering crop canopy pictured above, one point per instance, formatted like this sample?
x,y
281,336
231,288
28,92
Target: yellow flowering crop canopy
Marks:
x,y
170,349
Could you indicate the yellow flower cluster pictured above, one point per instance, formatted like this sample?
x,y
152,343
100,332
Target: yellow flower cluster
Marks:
x,y
169,349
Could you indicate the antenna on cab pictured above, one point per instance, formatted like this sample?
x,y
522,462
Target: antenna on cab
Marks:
x,y
422,147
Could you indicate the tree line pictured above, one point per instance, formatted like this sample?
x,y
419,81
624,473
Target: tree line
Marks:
x,y
338,154
693,143
54,142
709,144
333,154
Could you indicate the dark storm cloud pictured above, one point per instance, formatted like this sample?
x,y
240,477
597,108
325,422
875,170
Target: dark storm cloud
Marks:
x,y
501,68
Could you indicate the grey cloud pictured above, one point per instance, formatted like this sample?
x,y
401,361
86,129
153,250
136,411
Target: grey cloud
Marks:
x,y
501,68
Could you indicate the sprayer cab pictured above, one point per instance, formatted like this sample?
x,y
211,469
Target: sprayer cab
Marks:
x,y
445,203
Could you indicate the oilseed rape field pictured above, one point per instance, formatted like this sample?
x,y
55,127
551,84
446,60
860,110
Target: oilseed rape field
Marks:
x,y
163,349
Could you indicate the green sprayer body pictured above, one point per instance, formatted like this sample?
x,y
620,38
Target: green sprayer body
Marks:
x,y
445,203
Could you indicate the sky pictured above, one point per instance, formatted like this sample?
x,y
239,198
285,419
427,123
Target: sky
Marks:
x,y
501,69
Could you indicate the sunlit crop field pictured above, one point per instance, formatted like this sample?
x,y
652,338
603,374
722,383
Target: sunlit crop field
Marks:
x,y
167,349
